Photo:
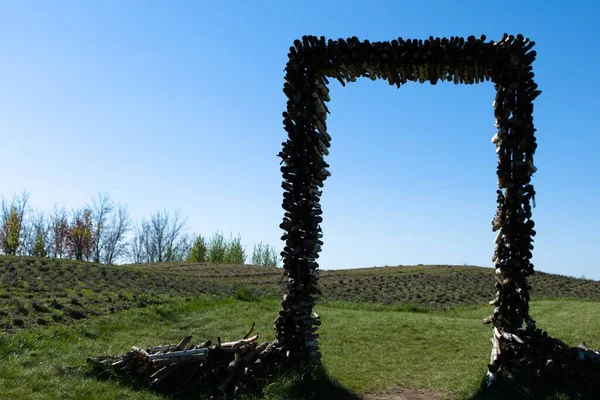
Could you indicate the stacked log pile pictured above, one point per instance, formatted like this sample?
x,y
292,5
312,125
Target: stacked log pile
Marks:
x,y
184,370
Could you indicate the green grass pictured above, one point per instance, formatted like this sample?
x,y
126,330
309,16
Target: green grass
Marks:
x,y
445,351
365,348
40,364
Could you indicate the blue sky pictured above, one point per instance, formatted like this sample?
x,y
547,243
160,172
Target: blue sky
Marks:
x,y
177,105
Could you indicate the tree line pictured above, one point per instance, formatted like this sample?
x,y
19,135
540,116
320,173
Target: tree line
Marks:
x,y
103,232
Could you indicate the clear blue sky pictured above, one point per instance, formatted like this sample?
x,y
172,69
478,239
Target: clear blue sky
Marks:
x,y
177,105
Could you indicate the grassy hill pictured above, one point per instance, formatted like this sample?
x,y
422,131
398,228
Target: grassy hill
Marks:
x,y
427,286
36,292
406,332
44,291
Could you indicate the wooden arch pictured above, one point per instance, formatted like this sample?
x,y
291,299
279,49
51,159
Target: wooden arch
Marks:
x,y
312,62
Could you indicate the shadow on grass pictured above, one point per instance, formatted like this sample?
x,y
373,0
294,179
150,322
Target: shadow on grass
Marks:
x,y
312,383
512,388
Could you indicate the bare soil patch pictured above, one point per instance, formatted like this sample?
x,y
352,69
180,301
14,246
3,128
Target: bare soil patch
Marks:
x,y
399,393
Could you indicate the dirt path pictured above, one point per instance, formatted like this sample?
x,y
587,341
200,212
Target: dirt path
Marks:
x,y
406,394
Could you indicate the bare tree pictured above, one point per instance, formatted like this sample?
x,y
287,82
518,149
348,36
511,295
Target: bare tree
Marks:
x,y
58,232
12,223
37,240
115,245
101,209
177,242
139,243
181,250
160,239
159,236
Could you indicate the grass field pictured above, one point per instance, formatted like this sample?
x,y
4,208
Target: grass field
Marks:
x,y
38,292
368,347
365,348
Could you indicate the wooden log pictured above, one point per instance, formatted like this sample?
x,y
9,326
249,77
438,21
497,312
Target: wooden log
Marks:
x,y
139,351
160,348
239,342
161,374
228,381
267,351
179,355
184,342
203,345
247,357
403,74
322,149
492,367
